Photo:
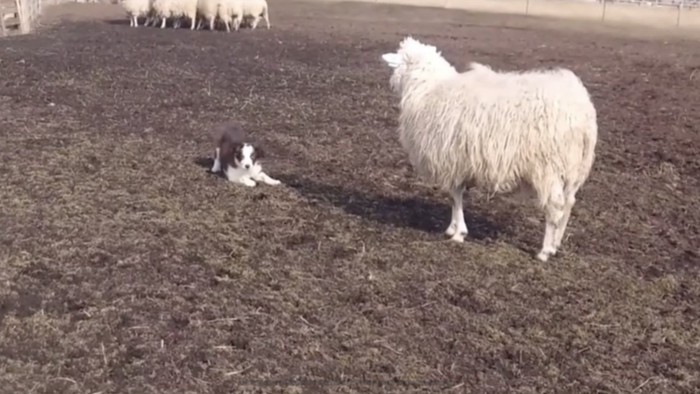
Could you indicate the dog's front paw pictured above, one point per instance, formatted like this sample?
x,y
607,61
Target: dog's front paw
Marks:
x,y
248,182
274,182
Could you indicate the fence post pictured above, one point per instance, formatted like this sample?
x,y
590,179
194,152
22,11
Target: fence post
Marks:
x,y
678,16
527,7
23,16
602,17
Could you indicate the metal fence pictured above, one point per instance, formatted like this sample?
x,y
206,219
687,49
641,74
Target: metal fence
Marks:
x,y
666,12
25,13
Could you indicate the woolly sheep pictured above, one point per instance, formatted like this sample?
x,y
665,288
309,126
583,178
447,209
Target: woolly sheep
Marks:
x,y
165,9
208,10
228,9
533,131
136,9
250,8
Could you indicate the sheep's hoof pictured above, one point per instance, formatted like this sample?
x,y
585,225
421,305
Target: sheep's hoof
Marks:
x,y
545,254
458,237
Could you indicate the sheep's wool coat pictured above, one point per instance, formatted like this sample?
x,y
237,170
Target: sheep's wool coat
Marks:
x,y
175,8
494,130
137,7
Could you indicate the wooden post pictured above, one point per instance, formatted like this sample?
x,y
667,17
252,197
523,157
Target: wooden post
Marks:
x,y
24,16
605,3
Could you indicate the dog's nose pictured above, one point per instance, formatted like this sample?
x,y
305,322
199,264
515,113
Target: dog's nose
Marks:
x,y
247,166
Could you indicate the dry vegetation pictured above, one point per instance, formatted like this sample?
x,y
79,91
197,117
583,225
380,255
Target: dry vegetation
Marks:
x,y
126,268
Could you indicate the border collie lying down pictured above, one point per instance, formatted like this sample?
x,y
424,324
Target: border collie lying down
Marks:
x,y
239,159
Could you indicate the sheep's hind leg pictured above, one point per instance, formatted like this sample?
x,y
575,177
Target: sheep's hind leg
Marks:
x,y
555,213
458,227
559,234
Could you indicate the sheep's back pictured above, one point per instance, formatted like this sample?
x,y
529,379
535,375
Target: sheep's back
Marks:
x,y
136,7
253,7
208,8
496,129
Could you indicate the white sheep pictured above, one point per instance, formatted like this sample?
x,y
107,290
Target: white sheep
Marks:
x,y
136,9
227,10
250,8
208,10
532,131
177,9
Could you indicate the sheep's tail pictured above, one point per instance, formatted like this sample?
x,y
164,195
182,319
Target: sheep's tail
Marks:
x,y
590,138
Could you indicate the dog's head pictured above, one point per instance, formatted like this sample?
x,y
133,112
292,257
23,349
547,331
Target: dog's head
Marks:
x,y
246,155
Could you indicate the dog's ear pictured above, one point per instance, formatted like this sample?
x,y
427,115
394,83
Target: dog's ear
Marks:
x,y
231,152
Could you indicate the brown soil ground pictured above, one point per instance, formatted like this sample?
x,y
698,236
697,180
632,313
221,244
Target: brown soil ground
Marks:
x,y
125,267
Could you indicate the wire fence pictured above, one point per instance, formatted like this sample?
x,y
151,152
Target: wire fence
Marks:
x,y
25,13
659,13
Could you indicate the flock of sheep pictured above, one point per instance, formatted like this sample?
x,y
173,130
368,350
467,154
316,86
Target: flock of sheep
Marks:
x,y
228,12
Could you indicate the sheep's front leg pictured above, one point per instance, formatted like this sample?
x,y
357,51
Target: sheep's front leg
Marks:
x,y
264,178
551,227
162,22
458,227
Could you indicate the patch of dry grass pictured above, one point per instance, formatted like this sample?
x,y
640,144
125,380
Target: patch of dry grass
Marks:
x,y
125,266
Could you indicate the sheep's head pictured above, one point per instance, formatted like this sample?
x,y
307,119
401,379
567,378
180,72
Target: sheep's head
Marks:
x,y
415,61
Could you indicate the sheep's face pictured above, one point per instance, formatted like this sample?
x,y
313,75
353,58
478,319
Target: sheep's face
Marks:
x,y
397,62
410,62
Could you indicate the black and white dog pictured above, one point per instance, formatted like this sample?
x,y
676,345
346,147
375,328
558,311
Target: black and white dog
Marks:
x,y
238,158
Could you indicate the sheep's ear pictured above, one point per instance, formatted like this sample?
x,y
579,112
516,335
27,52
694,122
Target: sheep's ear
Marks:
x,y
392,59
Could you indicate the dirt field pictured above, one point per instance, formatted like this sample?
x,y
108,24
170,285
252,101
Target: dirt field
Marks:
x,y
125,267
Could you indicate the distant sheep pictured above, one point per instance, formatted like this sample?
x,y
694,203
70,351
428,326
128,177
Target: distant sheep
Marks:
x,y
176,9
534,131
227,11
254,9
208,10
136,9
